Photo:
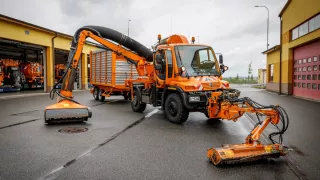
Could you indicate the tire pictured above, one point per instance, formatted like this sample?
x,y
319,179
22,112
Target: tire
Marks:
x,y
174,109
135,105
96,93
213,119
102,98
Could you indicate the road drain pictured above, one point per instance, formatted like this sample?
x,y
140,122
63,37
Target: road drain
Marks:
x,y
71,130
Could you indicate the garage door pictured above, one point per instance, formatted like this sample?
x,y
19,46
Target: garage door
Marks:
x,y
28,66
306,75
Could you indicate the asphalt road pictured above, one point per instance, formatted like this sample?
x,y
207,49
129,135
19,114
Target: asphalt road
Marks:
x,y
303,133
121,144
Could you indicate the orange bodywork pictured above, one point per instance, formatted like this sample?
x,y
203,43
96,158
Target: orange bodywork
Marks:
x,y
6,63
252,147
32,71
66,109
59,70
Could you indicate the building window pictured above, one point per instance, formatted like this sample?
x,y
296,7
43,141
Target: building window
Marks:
x,y
295,62
295,84
318,77
314,86
299,85
300,61
319,86
309,77
309,85
304,60
303,29
307,27
299,77
295,33
315,68
317,22
315,58
312,25
314,77
303,85
304,69
309,60
295,77
309,68
271,72
303,77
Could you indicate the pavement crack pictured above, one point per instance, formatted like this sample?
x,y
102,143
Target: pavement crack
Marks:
x,y
20,113
54,174
99,104
16,124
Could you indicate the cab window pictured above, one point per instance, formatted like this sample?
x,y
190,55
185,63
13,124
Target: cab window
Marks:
x,y
169,62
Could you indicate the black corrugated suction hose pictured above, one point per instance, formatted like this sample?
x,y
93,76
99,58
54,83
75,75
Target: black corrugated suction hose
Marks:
x,y
118,37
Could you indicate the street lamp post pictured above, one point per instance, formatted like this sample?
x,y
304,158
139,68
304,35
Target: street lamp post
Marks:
x,y
128,26
267,26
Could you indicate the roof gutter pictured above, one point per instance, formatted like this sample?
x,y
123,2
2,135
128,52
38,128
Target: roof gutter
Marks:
x,y
280,56
53,55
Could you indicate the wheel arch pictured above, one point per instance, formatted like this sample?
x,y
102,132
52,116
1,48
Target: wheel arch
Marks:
x,y
178,90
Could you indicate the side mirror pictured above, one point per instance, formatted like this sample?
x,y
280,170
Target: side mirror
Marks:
x,y
223,68
220,59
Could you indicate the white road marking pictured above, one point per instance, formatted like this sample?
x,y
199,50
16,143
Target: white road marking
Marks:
x,y
152,113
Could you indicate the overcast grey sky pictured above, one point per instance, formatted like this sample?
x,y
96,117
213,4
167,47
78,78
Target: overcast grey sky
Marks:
x,y
233,27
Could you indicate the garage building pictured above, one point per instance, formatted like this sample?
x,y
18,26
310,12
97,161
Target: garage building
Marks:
x,y
293,67
46,49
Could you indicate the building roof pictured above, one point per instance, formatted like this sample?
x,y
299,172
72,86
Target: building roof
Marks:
x,y
43,29
285,7
274,48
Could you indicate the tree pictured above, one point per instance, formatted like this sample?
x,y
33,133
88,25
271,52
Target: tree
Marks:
x,y
251,77
249,70
237,76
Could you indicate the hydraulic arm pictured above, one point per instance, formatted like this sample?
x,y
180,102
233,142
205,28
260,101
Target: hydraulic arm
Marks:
x,y
231,108
67,108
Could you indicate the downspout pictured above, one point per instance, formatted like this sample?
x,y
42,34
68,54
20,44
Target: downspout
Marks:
x,y
53,57
280,55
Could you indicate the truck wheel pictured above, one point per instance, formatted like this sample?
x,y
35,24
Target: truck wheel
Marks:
x,y
102,98
96,93
135,103
214,119
174,109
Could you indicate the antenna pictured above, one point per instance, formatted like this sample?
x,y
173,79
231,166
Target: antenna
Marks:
x,y
171,24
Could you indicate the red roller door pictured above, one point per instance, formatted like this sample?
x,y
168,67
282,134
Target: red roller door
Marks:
x,y
306,75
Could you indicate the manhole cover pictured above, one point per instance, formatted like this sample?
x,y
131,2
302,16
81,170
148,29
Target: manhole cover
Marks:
x,y
73,130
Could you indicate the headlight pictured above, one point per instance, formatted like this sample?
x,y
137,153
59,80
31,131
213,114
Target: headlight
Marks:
x,y
194,98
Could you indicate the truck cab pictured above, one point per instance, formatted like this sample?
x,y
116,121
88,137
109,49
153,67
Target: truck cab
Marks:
x,y
185,75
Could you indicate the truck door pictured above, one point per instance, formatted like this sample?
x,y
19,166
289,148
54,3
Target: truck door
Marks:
x,y
160,68
169,64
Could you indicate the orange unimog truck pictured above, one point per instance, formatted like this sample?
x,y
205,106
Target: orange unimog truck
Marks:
x,y
33,74
10,75
59,71
180,77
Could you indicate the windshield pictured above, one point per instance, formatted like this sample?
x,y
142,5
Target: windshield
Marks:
x,y
198,60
